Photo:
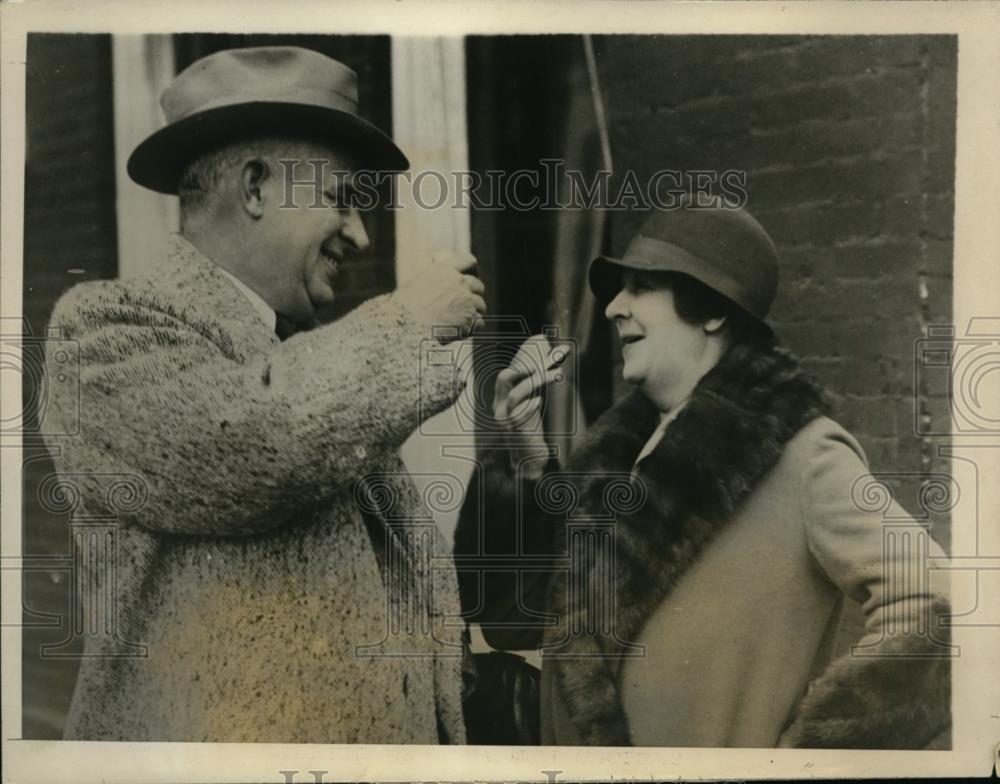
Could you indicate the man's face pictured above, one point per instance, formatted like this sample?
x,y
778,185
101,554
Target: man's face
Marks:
x,y
662,353
308,230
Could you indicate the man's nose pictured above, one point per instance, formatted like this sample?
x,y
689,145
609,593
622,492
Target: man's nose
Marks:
x,y
618,307
354,232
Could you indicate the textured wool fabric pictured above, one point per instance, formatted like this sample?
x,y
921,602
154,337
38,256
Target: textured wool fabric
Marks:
x,y
244,563
728,580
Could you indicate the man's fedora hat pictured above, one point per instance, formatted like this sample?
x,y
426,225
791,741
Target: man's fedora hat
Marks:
x,y
726,249
241,93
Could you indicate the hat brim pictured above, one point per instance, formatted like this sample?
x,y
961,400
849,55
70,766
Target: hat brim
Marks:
x,y
157,163
605,279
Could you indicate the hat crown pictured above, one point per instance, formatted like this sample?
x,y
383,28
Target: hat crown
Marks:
x,y
285,74
724,247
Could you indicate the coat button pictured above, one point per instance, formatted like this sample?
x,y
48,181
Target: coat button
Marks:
x,y
360,452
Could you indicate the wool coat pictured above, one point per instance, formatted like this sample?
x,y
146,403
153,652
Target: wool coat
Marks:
x,y
693,599
272,534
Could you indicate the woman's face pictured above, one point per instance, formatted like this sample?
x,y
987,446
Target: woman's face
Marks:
x,y
663,355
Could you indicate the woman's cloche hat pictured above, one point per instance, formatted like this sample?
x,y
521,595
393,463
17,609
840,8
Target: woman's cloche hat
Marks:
x,y
723,247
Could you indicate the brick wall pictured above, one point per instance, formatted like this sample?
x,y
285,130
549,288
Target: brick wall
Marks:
x,y
848,144
69,218
69,236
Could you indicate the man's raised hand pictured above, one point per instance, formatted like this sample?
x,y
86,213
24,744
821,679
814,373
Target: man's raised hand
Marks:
x,y
445,294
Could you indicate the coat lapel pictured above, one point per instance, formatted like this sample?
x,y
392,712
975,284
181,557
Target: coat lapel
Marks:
x,y
728,436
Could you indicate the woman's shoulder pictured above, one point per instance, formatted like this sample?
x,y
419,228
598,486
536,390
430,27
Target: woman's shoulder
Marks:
x,y
824,439
822,457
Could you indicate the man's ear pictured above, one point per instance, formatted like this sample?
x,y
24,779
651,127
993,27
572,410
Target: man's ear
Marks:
x,y
252,178
714,325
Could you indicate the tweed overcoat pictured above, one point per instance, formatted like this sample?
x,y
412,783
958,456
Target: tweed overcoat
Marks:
x,y
759,521
271,533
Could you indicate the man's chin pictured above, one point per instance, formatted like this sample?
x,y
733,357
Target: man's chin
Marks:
x,y
329,310
321,298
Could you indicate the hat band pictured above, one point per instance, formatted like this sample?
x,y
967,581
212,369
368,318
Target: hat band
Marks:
x,y
326,99
647,253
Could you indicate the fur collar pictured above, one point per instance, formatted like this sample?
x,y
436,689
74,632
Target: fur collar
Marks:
x,y
730,433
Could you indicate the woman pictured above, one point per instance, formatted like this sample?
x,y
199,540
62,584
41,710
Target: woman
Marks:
x,y
712,530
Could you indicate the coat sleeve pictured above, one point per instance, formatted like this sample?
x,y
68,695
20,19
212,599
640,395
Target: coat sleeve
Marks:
x,y
505,599
892,689
227,447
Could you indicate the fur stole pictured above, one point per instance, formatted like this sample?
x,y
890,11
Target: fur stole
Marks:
x,y
731,432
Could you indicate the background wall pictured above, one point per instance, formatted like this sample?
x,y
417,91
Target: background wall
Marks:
x,y
69,229
69,236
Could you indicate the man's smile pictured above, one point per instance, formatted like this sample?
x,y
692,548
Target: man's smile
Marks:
x,y
332,258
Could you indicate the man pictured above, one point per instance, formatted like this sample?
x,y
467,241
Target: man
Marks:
x,y
741,518
268,546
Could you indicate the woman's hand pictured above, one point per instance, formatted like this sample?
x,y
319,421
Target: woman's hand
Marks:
x,y
517,399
